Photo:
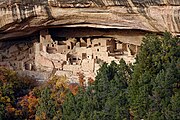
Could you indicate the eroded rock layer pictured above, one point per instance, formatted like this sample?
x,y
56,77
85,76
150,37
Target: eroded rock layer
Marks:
x,y
24,17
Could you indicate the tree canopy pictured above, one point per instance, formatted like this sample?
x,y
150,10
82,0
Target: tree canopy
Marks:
x,y
156,79
12,87
105,99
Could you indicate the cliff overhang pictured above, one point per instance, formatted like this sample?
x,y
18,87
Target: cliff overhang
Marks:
x,y
21,18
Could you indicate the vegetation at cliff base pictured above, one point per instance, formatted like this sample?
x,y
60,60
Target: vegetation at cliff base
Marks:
x,y
149,89
12,88
105,99
51,97
154,88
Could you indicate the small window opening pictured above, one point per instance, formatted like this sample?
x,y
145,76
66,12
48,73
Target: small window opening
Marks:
x,y
74,58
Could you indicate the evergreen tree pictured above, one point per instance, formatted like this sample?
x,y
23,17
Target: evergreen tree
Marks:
x,y
156,74
2,111
105,99
46,108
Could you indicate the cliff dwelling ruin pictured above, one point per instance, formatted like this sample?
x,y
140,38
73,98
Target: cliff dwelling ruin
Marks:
x,y
69,51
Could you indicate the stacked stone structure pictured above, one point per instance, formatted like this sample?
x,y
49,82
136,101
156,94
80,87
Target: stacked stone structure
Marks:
x,y
67,57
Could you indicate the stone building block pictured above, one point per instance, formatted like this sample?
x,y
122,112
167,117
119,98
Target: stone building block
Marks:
x,y
64,73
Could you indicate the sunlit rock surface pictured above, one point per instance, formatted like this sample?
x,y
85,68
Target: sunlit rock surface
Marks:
x,y
24,17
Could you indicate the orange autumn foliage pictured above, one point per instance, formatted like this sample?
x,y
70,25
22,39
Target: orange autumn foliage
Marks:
x,y
73,87
90,81
81,79
28,104
10,108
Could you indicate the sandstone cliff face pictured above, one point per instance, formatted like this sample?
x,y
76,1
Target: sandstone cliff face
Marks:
x,y
23,17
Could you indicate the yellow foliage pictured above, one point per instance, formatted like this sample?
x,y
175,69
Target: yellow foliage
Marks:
x,y
18,113
4,99
10,108
60,82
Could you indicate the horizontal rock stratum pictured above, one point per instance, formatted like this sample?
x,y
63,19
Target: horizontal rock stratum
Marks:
x,y
24,17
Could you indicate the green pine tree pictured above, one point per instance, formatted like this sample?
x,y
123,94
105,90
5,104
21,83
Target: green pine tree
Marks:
x,y
46,109
155,75
105,99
